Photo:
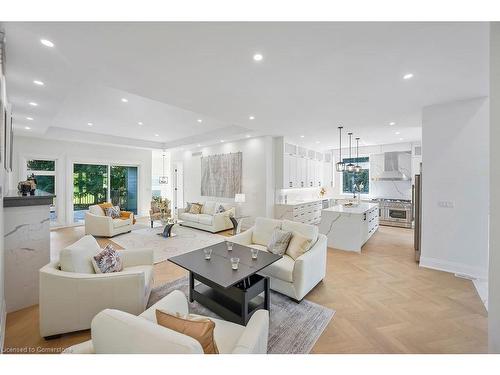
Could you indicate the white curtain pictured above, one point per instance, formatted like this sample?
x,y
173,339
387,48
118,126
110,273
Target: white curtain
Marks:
x,y
221,175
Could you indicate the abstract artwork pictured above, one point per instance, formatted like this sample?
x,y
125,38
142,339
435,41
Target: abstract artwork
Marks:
x,y
221,175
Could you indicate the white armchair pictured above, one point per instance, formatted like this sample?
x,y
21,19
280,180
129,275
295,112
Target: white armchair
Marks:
x,y
99,225
71,296
294,278
116,332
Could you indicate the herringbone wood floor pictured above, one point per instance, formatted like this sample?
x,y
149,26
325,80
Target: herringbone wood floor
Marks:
x,y
384,303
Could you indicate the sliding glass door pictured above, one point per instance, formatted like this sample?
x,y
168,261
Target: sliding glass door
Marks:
x,y
90,186
124,187
99,183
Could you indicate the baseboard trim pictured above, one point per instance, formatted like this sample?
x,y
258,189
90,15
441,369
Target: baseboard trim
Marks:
x,y
453,267
3,320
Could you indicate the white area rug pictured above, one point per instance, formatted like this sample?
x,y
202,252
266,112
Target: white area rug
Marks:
x,y
187,239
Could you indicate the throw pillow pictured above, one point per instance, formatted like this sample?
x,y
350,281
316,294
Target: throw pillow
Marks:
x,y
195,208
113,212
298,245
199,328
220,209
108,260
279,241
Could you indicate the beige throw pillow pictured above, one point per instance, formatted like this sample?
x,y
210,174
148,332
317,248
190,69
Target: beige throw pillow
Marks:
x,y
298,245
195,208
279,241
199,328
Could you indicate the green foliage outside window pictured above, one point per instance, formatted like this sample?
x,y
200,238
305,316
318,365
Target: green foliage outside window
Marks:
x,y
350,179
41,165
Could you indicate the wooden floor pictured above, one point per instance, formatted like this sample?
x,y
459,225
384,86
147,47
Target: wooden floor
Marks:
x,y
384,303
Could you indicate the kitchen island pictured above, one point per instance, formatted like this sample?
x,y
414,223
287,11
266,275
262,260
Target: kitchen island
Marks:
x,y
348,228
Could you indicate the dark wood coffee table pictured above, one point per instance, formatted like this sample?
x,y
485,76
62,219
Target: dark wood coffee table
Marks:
x,y
232,294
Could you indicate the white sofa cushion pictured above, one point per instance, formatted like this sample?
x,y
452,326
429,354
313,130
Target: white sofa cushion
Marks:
x,y
208,208
118,223
189,217
281,269
78,257
258,247
96,210
263,230
307,230
205,219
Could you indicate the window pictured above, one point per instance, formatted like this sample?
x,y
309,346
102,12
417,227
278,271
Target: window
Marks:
x,y
99,183
350,179
45,174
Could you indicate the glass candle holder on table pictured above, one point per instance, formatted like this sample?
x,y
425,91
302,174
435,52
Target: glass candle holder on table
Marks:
x,y
255,253
234,263
229,245
208,253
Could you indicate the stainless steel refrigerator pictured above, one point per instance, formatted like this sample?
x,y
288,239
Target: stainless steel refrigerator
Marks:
x,y
417,213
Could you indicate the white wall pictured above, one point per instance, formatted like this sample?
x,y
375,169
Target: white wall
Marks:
x,y
378,189
455,169
3,186
494,273
257,178
66,153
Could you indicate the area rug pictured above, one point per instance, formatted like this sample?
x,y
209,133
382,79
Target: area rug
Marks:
x,y
294,327
186,240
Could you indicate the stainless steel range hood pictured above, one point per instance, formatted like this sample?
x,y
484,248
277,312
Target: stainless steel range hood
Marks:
x,y
396,167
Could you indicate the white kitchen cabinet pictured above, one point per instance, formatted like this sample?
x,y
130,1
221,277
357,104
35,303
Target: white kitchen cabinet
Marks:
x,y
301,172
290,171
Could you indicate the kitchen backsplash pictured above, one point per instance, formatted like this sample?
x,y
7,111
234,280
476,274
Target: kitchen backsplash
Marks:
x,y
390,189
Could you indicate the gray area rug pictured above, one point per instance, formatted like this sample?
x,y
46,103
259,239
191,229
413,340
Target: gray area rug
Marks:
x,y
294,327
186,240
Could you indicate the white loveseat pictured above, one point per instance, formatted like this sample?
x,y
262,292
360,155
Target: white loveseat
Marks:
x,y
116,332
209,219
71,296
99,225
294,278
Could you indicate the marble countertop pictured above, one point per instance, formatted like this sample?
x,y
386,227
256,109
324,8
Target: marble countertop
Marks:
x,y
14,199
296,203
360,209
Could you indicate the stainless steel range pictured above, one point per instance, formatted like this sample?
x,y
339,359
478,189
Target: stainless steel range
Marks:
x,y
395,212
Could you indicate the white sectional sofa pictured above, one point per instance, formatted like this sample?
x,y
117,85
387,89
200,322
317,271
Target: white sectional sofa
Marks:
x,y
116,332
71,293
209,220
294,278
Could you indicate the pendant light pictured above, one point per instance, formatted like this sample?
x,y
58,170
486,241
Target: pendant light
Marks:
x,y
340,165
163,179
350,167
357,168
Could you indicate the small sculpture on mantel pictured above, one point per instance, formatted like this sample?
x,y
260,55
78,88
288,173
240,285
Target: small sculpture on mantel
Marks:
x,y
28,186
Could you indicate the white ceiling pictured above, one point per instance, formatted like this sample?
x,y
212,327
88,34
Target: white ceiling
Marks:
x,y
313,77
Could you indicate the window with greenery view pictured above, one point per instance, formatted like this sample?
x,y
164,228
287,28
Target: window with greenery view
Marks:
x,y
45,174
352,179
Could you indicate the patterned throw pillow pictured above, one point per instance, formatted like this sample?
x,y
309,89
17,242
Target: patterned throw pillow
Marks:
x,y
108,260
195,208
220,209
113,212
279,241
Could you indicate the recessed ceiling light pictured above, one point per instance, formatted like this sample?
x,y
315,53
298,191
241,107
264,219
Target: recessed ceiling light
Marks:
x,y
33,104
27,128
302,136
408,76
258,57
29,118
39,83
157,135
251,117
125,100
199,145
248,135
89,124
397,133
47,43
401,139
317,142
221,141
199,120
140,123
392,123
